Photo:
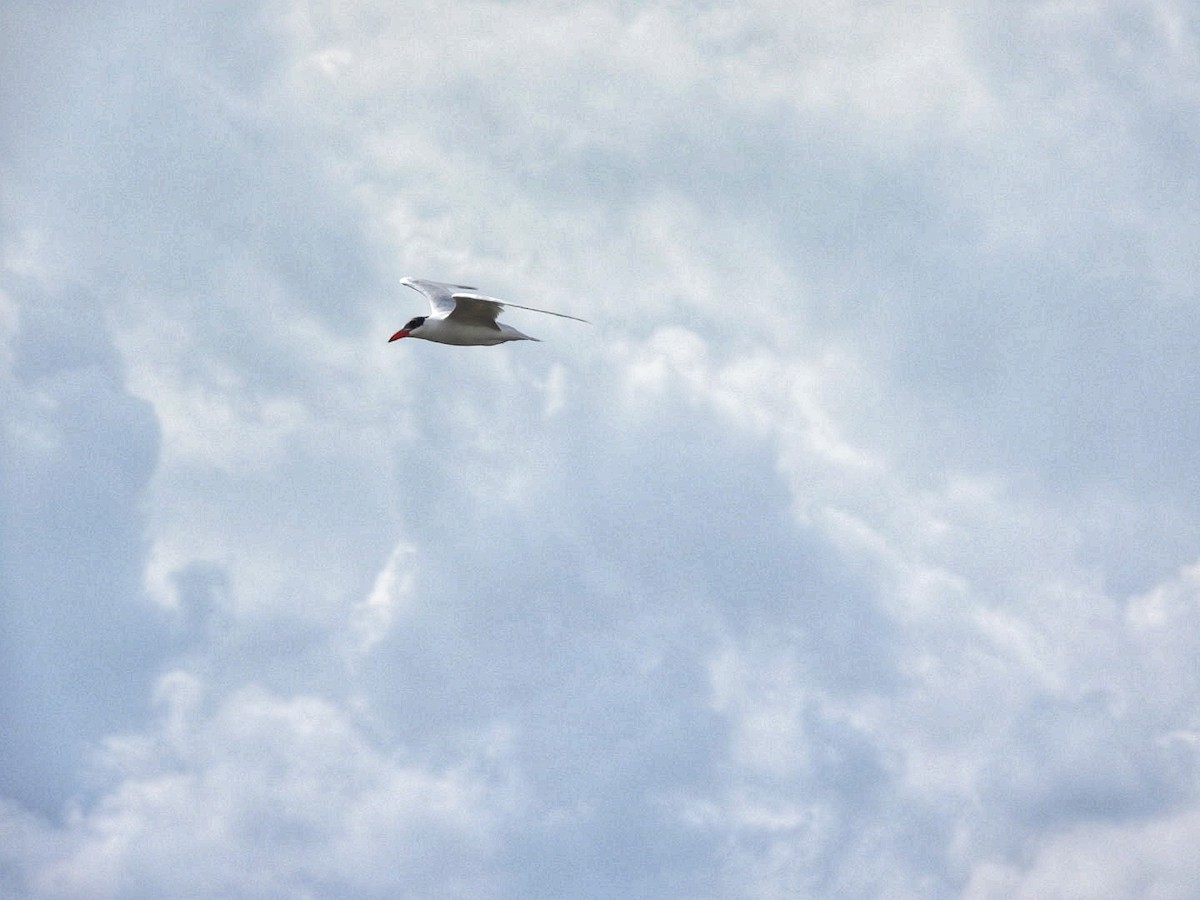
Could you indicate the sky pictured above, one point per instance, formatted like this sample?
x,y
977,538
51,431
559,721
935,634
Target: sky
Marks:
x,y
851,551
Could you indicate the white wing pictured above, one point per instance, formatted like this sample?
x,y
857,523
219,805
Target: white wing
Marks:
x,y
460,303
439,294
460,297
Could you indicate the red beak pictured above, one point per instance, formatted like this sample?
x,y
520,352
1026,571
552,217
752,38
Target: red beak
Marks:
x,y
403,332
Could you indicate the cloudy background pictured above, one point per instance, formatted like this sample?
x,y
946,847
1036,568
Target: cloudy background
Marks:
x,y
853,551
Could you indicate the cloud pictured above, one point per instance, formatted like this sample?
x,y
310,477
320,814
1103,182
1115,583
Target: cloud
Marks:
x,y
849,553
222,788
78,449
1144,860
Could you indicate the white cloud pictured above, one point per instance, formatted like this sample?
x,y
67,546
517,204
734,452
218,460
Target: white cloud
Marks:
x,y
1144,859
258,795
849,553
375,616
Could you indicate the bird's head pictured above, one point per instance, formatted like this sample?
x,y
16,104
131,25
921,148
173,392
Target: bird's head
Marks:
x,y
413,325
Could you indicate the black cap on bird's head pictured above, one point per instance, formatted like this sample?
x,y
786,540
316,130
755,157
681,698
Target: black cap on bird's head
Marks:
x,y
412,325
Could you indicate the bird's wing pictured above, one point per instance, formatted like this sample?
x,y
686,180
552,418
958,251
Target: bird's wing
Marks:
x,y
476,304
474,309
439,294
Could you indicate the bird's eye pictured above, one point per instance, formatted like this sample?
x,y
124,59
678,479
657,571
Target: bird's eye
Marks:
x,y
414,323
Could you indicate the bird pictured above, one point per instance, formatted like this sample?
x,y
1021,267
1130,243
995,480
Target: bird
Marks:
x,y
460,315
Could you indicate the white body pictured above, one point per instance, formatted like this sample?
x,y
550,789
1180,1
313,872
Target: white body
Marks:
x,y
466,334
458,315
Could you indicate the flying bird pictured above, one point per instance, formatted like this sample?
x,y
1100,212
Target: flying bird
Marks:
x,y
459,315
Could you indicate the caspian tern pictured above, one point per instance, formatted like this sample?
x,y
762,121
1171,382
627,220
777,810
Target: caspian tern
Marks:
x,y
459,315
